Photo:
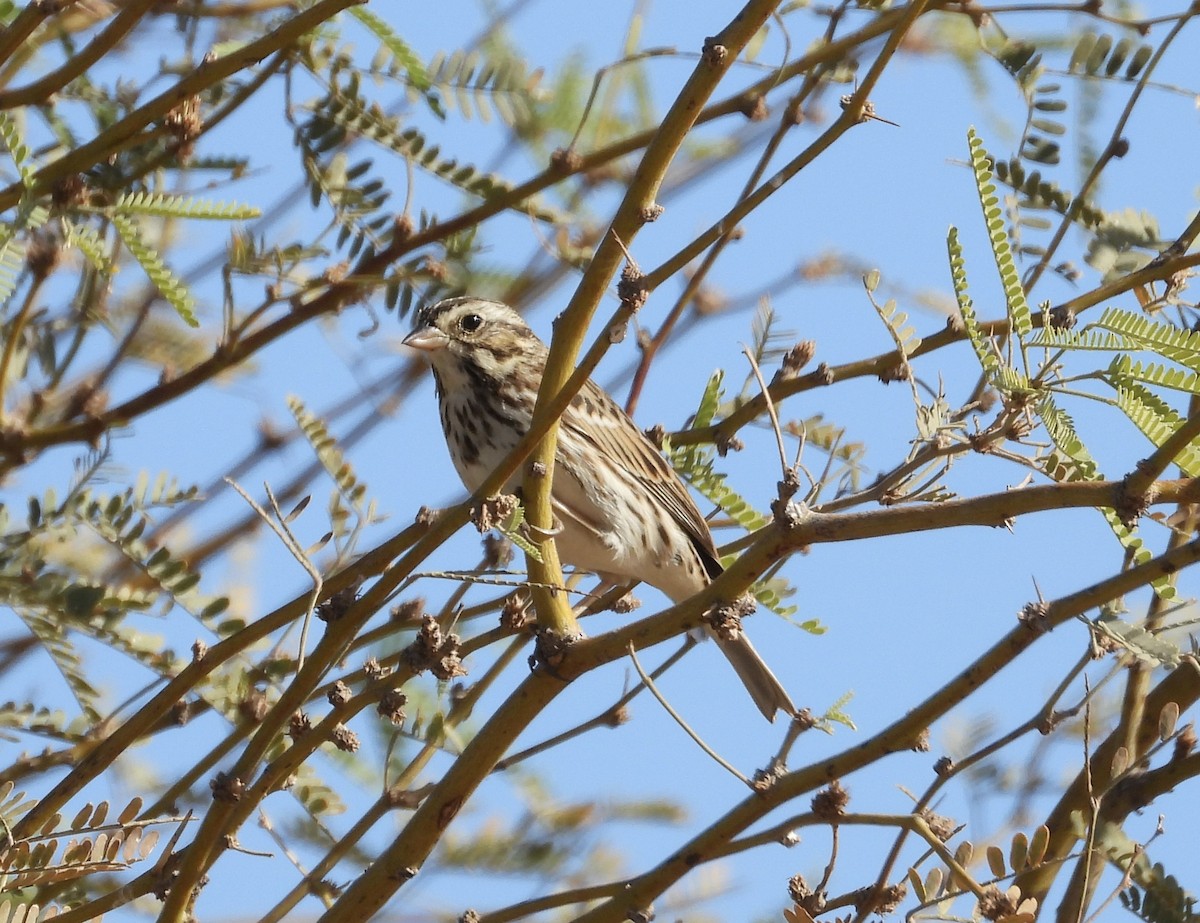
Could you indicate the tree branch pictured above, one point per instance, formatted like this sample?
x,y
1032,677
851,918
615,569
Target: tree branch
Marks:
x,y
898,736
126,132
571,327
41,89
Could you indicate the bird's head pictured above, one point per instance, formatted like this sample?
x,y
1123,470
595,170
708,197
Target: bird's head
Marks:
x,y
487,335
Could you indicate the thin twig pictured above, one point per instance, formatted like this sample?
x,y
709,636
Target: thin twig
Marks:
x,y
129,130
1151,468
337,296
832,863
610,717
550,901
289,542
14,35
766,393
692,286
679,720
110,36
1093,823
1110,151
601,73
873,366
15,329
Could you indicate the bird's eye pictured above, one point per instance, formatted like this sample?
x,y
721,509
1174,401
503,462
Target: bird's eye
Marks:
x,y
470,323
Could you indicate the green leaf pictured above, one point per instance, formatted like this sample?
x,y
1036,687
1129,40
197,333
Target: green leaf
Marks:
x,y
1043,194
1157,421
172,206
12,260
324,445
904,335
478,83
1014,292
89,243
1123,369
837,711
340,116
1169,341
1087,339
12,248
1071,461
710,400
171,287
694,463
1080,465
15,144
1147,647
80,600
985,352
402,57
511,529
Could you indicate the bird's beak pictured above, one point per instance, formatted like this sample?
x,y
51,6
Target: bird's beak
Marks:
x,y
427,339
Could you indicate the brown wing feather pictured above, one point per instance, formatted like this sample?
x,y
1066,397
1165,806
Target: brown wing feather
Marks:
x,y
614,434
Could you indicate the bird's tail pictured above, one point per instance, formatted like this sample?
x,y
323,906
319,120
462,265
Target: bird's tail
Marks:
x,y
764,687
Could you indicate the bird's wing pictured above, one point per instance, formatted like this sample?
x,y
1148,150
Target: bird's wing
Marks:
x,y
596,419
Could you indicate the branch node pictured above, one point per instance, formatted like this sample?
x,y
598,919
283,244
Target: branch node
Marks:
x,y
754,108
1138,492
69,191
829,804
764,779
339,694
1061,318
434,652
494,511
566,160
996,904
725,619
299,725
402,229
391,706
626,604
427,516
631,289
802,893
1035,617
226,787
1185,742
939,825
497,551
344,739
880,900
795,359
550,649
726,444
337,605
409,611
713,54
656,434
789,515
515,615
867,113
